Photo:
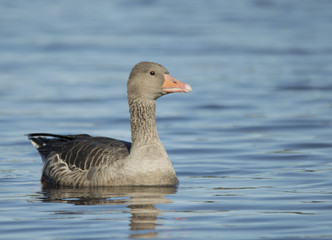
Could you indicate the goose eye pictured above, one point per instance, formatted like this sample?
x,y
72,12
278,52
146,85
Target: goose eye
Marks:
x,y
152,73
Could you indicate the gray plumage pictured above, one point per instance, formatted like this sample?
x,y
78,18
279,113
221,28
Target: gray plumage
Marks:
x,y
82,160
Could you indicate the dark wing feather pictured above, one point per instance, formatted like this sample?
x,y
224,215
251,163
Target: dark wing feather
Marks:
x,y
83,151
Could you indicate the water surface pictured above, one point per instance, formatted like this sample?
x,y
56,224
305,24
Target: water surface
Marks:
x,y
251,144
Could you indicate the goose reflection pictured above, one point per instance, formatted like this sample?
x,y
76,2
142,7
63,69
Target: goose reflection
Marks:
x,y
140,200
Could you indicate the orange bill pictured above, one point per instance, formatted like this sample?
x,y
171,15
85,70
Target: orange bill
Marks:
x,y
172,85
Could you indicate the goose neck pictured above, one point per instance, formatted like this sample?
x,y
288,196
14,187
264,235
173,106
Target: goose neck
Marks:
x,y
143,121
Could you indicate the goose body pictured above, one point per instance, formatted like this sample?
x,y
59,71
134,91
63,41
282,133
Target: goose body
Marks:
x,y
82,160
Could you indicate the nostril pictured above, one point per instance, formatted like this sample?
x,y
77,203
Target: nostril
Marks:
x,y
175,82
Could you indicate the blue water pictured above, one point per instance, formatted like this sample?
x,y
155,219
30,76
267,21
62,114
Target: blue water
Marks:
x,y
251,144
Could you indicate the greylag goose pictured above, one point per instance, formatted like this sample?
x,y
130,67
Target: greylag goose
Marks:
x,y
83,160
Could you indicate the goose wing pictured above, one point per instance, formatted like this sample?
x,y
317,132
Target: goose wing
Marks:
x,y
83,151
